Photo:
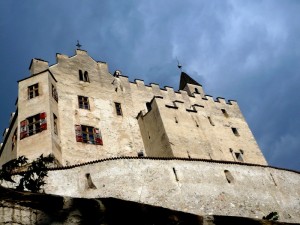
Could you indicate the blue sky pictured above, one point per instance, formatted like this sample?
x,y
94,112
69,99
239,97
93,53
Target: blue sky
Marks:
x,y
243,50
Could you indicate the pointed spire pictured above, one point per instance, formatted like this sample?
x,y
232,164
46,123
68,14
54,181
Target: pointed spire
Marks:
x,y
186,79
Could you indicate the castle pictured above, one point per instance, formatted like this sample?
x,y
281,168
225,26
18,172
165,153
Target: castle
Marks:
x,y
111,137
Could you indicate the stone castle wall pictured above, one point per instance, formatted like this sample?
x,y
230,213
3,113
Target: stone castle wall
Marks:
x,y
199,187
30,208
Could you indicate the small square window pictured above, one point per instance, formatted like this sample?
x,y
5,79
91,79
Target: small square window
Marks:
x,y
33,91
118,109
83,102
235,131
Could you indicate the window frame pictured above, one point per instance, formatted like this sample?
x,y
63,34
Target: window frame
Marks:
x,y
83,102
88,134
118,108
54,93
33,125
33,91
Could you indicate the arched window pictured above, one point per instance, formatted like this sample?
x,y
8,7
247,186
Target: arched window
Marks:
x,y
197,91
84,76
80,75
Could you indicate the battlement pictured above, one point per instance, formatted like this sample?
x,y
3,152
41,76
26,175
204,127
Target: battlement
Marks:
x,y
175,94
155,88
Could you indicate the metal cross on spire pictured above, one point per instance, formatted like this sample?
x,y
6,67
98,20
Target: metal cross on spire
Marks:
x,y
78,45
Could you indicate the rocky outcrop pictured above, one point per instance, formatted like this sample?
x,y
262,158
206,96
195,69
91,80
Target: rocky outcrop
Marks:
x,y
24,208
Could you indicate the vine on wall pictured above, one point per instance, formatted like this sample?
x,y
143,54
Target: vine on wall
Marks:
x,y
32,174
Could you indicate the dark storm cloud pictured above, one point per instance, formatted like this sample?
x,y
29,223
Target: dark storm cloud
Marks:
x,y
244,50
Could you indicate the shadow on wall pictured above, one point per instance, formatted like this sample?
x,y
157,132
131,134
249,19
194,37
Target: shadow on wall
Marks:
x,y
49,209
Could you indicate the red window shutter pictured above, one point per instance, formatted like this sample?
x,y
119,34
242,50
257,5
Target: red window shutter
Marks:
x,y
78,133
43,115
98,137
43,121
23,129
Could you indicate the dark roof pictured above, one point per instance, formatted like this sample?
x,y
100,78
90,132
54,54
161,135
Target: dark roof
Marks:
x,y
186,79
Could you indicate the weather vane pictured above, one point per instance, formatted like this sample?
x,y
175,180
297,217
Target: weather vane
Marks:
x,y
78,45
179,65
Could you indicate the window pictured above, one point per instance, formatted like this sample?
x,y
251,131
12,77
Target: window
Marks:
x,y
33,125
14,139
83,102
118,108
84,76
224,112
54,93
235,131
33,91
239,156
55,124
197,91
80,75
88,134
